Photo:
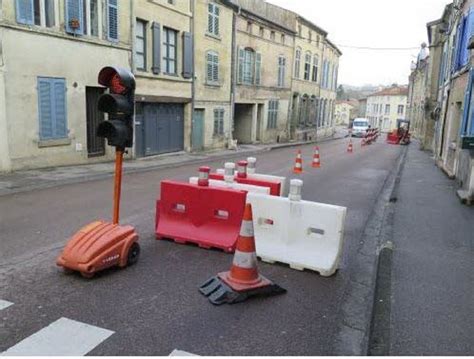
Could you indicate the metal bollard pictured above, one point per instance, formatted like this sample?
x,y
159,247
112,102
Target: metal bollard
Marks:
x,y
203,180
229,172
296,186
242,169
252,164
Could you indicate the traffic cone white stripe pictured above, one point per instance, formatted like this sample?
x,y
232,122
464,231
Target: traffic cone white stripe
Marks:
x,y
246,229
245,260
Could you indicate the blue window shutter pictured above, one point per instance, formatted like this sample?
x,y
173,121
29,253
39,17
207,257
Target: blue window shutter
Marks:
x,y
467,110
74,12
112,16
25,12
52,108
45,99
59,95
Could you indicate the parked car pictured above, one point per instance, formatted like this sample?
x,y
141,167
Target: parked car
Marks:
x,y
360,127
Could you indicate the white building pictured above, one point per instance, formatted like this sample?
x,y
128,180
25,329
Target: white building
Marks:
x,y
386,107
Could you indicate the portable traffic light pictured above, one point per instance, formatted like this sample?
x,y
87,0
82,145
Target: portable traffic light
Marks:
x,y
102,244
119,104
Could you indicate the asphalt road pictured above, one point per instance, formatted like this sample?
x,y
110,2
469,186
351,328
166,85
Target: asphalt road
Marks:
x,y
155,307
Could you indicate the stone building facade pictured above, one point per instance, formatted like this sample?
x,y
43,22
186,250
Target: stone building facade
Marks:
x,y
442,101
210,74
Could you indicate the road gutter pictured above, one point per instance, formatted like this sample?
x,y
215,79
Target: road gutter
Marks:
x,y
358,307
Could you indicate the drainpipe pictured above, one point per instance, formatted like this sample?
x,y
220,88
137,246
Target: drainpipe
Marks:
x,y
193,73
233,72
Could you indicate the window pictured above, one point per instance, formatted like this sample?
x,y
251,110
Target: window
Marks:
x,y
464,31
29,12
171,2
283,38
212,67
334,83
300,30
281,71
112,20
169,51
297,63
140,44
401,109
262,32
272,35
310,36
272,114
314,77
307,66
249,27
52,108
218,122
213,19
387,109
250,67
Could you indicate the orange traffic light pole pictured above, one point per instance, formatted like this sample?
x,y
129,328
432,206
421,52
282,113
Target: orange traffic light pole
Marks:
x,y
118,184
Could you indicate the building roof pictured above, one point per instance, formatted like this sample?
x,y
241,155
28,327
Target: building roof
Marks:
x,y
392,91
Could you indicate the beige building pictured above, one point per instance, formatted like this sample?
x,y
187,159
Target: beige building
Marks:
x,y
163,65
264,56
315,69
345,111
50,55
386,107
213,51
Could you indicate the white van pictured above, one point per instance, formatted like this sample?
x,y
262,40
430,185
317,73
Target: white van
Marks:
x,y
359,127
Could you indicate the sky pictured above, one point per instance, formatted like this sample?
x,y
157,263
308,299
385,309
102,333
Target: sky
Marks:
x,y
372,23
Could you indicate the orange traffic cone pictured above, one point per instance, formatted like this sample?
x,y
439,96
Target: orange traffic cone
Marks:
x,y
298,168
350,147
243,280
316,159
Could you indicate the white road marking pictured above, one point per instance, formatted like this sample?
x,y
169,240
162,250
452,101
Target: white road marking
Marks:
x,y
64,337
4,304
181,353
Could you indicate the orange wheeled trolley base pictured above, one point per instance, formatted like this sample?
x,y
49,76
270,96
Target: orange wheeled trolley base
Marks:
x,y
98,246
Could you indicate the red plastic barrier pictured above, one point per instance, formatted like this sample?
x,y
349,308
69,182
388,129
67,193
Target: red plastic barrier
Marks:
x,y
273,185
210,217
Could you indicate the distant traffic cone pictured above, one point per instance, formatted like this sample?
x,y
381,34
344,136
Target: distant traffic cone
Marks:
x,y
243,280
316,158
350,147
298,168
364,141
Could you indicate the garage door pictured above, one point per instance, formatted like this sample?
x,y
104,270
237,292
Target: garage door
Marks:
x,y
162,129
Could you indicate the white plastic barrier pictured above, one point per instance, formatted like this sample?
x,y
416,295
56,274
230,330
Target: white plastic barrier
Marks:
x,y
305,235
242,187
258,176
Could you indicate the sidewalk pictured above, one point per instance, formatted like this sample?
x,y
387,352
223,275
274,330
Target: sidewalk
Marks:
x,y
432,307
21,181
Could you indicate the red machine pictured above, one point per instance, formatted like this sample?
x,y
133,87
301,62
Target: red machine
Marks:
x,y
400,136
101,244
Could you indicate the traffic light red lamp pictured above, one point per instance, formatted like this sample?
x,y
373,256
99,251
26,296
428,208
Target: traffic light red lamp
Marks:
x,y
101,244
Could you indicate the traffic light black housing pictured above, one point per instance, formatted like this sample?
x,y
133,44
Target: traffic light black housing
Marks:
x,y
119,104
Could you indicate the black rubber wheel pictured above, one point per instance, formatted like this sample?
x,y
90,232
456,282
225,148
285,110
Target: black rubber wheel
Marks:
x,y
133,254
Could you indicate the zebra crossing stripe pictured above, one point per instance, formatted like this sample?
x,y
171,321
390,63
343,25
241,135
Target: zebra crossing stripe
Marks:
x,y
5,304
181,353
64,337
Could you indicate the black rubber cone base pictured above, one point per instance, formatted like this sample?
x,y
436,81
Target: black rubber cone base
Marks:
x,y
220,293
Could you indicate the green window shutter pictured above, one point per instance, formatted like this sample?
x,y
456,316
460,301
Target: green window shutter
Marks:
x,y
240,77
156,56
187,55
258,69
